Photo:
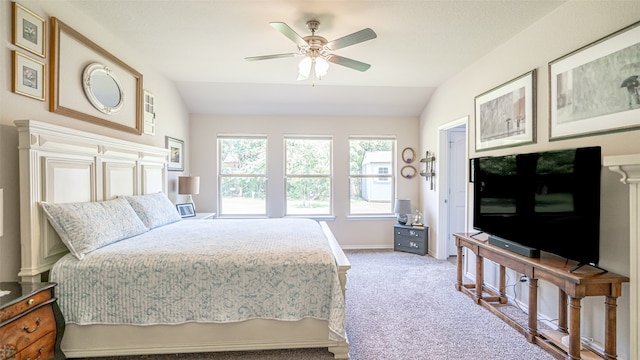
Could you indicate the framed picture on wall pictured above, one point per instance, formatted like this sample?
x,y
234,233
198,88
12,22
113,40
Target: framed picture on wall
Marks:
x,y
176,154
28,76
28,29
596,89
505,115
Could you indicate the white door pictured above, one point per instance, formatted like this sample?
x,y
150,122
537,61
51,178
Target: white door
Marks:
x,y
457,183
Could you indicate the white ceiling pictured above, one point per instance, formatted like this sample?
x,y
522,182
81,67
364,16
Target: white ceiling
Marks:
x,y
201,46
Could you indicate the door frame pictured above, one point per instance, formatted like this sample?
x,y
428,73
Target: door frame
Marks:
x,y
442,172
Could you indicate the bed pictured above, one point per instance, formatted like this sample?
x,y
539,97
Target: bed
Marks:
x,y
61,166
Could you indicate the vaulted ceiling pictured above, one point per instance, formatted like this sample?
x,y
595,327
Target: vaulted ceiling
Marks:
x,y
201,46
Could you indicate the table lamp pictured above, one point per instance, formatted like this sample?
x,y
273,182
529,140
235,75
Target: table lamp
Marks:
x,y
402,209
189,185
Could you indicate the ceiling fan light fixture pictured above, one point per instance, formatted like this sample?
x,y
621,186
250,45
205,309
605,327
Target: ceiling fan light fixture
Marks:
x,y
317,51
304,68
321,66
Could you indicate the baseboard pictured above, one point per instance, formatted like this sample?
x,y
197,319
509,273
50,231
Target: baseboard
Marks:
x,y
367,247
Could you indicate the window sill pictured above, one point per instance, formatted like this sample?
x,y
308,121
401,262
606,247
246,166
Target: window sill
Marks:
x,y
371,217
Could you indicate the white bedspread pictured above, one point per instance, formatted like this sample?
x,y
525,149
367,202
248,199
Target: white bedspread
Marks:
x,y
219,270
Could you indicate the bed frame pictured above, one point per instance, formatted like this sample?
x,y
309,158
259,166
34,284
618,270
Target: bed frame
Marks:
x,y
59,164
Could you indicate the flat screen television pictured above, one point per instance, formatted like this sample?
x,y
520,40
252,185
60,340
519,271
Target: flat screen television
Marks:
x,y
546,201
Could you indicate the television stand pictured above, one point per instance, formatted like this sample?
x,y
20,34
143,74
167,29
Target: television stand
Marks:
x,y
587,264
572,288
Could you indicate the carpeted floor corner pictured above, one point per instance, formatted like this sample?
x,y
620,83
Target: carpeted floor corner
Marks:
x,y
404,306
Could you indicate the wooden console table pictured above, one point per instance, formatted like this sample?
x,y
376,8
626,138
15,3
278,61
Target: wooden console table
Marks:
x,y
585,281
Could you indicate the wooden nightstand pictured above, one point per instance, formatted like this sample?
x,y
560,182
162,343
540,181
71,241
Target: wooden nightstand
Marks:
x,y
411,239
31,325
201,216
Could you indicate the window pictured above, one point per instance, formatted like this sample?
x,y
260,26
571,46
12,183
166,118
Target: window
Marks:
x,y
308,175
242,169
371,175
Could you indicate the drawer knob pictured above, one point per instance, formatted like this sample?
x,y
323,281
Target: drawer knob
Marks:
x,y
30,302
29,331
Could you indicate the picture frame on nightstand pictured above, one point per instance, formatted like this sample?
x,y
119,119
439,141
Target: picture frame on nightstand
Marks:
x,y
186,210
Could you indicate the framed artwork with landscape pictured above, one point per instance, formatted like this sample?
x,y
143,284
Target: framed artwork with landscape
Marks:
x,y
176,154
505,115
596,89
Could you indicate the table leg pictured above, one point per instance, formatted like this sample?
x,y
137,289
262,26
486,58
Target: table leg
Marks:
x,y
459,265
479,278
574,329
562,310
610,328
502,286
533,309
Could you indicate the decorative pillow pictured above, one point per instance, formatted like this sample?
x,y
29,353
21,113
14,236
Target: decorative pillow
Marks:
x,y
154,209
87,226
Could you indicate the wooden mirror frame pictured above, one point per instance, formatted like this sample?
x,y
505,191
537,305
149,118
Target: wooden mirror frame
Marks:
x,y
129,119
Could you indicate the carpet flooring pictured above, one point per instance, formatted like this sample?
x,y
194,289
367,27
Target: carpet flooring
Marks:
x,y
402,306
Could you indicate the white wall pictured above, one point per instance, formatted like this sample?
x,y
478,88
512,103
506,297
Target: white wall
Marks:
x,y
172,117
572,26
350,233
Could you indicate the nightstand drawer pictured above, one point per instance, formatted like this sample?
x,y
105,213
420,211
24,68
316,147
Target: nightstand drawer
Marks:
x,y
42,349
25,329
24,305
410,239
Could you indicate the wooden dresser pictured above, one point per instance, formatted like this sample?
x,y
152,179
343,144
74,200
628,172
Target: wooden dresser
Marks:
x,y
31,325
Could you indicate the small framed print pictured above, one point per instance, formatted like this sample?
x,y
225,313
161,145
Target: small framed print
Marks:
x,y
28,30
186,210
28,76
176,154
505,115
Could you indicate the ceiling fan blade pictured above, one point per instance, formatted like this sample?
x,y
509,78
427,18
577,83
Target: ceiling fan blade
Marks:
x,y
350,63
288,32
352,39
267,57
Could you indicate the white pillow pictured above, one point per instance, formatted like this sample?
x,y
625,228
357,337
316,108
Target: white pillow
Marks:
x,y
154,209
84,227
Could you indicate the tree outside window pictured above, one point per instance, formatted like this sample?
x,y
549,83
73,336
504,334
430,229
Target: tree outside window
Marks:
x,y
308,175
242,175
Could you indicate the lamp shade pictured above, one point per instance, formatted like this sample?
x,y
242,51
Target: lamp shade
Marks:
x,y
304,68
321,66
403,206
189,185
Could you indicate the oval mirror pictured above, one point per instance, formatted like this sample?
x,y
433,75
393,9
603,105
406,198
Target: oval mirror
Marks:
x,y
103,89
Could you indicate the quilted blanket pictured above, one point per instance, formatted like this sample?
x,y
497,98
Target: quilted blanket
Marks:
x,y
222,270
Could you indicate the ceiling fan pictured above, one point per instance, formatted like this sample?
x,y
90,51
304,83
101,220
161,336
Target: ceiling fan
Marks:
x,y
317,51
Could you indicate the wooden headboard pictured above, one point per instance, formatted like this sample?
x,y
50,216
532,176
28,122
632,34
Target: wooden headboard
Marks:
x,y
61,165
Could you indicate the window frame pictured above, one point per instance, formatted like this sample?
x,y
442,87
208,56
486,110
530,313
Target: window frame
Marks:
x,y
288,176
392,176
221,176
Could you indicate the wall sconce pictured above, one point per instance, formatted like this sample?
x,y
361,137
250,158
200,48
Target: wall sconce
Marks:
x,y
430,168
189,185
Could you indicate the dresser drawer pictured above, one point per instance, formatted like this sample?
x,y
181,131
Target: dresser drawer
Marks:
x,y
27,328
410,239
43,349
21,306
